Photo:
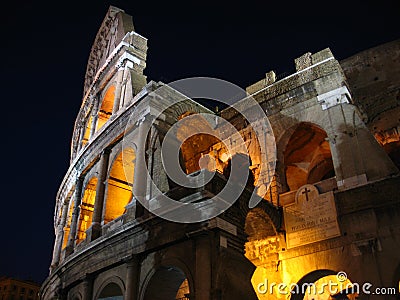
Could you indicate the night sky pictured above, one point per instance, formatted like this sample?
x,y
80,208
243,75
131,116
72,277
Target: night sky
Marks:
x,y
44,51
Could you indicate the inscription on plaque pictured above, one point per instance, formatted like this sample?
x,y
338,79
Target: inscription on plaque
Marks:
x,y
311,218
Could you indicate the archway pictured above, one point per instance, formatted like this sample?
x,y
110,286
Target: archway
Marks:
x,y
386,130
76,296
324,284
167,283
111,291
194,149
119,184
307,156
106,107
262,236
87,207
393,150
195,145
259,225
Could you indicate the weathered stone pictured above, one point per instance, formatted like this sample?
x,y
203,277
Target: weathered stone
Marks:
x,y
324,144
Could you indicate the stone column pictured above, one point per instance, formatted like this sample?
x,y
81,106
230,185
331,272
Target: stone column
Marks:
x,y
117,93
124,84
81,135
94,117
61,294
132,279
59,237
95,230
140,181
75,216
87,292
203,268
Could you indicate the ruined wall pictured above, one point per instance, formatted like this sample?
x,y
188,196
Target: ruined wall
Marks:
x,y
374,79
373,76
320,93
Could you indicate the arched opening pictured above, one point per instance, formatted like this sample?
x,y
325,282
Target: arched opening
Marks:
x,y
194,149
119,184
167,283
197,139
87,129
307,157
259,225
111,291
263,238
386,129
106,107
393,150
87,207
76,296
324,285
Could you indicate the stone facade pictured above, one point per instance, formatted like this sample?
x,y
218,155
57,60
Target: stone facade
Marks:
x,y
336,134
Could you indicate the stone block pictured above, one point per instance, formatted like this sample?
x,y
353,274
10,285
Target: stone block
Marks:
x,y
303,62
321,56
269,79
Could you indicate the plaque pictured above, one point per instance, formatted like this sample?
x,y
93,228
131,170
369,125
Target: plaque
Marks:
x,y
311,218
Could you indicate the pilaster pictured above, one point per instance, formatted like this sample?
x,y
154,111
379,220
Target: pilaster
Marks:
x,y
132,279
95,230
59,237
75,216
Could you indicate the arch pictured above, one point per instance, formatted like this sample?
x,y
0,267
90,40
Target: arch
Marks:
x,y
87,207
390,141
195,145
111,289
119,184
193,150
167,282
259,225
386,130
393,150
307,156
76,296
177,111
106,107
316,285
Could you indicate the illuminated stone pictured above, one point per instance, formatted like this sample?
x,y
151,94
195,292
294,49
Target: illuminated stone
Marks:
x,y
108,245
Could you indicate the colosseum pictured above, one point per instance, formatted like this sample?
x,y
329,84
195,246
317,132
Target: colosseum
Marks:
x,y
327,205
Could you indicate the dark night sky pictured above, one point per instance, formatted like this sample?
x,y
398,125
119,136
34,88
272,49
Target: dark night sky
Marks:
x,y
44,50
